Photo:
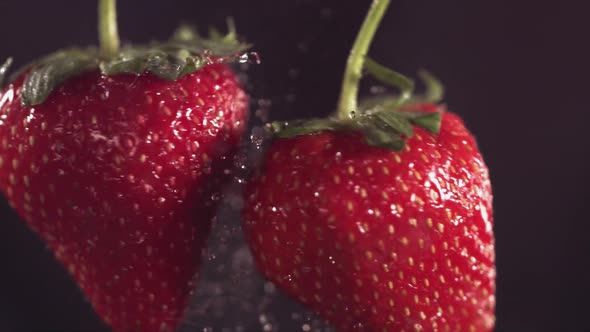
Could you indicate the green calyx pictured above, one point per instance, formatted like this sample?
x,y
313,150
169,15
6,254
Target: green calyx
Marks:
x,y
383,121
184,53
386,129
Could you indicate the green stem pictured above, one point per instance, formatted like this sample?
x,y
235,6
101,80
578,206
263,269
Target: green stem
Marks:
x,y
107,28
354,66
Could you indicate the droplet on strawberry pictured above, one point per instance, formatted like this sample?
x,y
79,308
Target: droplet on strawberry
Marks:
x,y
119,167
380,217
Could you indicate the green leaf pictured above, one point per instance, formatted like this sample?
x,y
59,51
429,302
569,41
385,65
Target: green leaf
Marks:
x,y
396,122
428,121
382,138
375,104
185,53
391,78
435,90
384,129
166,64
384,121
230,37
384,125
387,105
53,71
375,131
306,127
3,70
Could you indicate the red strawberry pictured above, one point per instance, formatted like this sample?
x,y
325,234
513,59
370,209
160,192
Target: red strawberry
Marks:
x,y
120,174
375,238
379,221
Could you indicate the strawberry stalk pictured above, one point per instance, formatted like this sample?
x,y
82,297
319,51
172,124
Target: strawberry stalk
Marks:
x,y
348,102
107,28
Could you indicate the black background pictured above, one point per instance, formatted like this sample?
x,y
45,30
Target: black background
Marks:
x,y
515,70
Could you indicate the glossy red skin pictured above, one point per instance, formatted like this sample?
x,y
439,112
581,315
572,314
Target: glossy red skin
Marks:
x,y
117,175
376,240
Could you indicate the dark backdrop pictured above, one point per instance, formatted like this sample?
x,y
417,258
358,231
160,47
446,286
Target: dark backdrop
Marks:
x,y
515,70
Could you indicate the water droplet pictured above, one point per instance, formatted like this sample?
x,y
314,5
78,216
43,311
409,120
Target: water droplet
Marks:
x,y
104,94
249,57
257,136
361,228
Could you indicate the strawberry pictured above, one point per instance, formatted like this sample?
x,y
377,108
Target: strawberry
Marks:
x,y
381,219
117,163
365,235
